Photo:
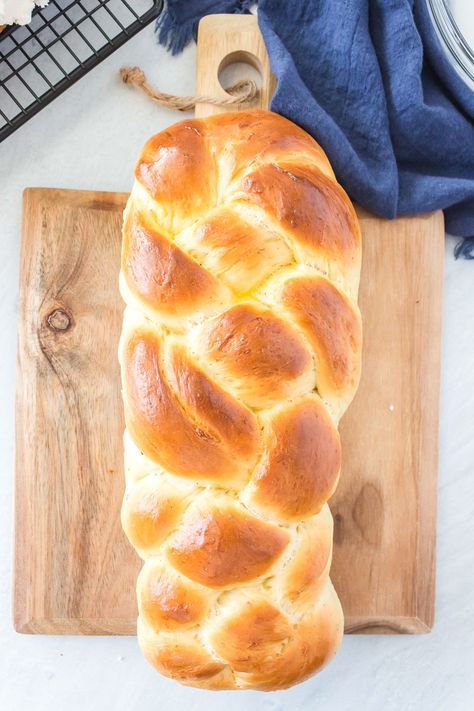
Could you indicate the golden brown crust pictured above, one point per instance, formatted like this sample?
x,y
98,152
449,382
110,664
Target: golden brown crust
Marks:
x,y
307,572
240,252
222,547
333,327
150,511
182,420
311,207
256,136
167,601
184,659
302,462
267,652
239,353
164,277
263,354
171,168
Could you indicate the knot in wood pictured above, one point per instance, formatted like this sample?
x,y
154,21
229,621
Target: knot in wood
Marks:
x,y
59,320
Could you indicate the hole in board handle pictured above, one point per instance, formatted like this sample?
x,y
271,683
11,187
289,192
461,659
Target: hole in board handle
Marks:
x,y
237,66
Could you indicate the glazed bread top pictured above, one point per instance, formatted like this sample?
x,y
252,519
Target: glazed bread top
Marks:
x,y
240,351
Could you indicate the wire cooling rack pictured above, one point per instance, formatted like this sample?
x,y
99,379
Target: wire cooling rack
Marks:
x,y
63,42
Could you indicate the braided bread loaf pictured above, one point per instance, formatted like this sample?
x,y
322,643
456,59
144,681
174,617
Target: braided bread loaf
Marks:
x,y
239,353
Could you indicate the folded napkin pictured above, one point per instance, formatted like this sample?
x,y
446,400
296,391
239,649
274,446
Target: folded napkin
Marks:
x,y
370,81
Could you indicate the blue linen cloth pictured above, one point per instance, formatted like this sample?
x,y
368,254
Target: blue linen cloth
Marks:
x,y
370,81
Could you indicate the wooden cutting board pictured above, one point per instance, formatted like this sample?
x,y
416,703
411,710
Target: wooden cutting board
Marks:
x,y
74,572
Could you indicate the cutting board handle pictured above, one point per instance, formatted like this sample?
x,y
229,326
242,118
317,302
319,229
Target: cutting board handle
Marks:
x,y
224,40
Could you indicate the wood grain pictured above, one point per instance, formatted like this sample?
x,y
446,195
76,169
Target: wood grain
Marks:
x,y
385,506
74,571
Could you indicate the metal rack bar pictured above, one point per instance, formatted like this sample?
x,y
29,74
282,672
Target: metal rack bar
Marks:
x,y
58,58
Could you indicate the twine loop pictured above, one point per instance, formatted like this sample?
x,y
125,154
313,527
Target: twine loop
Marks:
x,y
242,92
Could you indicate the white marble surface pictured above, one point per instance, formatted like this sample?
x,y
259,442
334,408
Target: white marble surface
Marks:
x,y
89,138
